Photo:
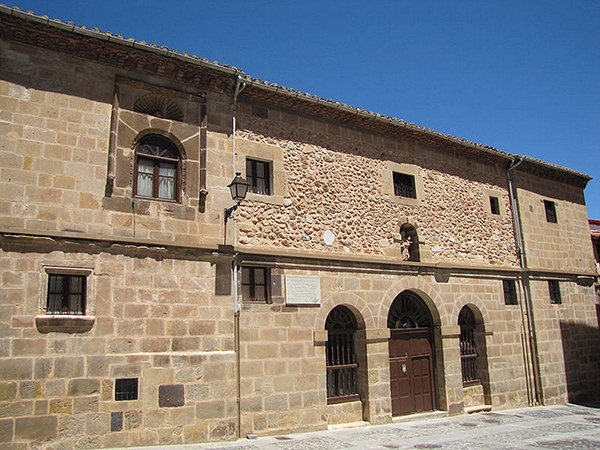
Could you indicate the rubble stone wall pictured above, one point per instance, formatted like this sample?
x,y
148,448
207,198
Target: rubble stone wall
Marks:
x,y
337,181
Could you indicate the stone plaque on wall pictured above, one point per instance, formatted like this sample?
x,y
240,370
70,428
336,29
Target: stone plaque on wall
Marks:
x,y
302,290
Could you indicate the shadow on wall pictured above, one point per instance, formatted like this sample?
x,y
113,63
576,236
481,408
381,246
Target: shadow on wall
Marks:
x,y
582,361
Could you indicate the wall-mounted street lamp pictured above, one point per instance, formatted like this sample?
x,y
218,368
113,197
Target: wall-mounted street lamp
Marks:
x,y
239,188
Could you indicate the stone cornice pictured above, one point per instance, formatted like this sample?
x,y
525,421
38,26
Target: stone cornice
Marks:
x,y
282,258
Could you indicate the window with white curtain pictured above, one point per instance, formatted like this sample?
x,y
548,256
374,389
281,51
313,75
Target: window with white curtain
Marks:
x,y
157,167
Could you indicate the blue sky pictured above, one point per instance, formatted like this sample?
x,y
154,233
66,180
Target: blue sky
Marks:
x,y
521,76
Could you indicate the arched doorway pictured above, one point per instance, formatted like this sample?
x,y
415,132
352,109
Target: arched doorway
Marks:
x,y
411,355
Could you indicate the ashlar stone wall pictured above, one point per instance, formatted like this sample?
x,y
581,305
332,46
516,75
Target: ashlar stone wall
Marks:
x,y
155,317
563,246
283,365
68,160
568,340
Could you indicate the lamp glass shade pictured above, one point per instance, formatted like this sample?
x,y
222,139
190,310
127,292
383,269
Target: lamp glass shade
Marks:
x,y
238,187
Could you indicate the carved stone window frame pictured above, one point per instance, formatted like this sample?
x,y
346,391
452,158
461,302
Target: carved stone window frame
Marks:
x,y
487,207
66,323
404,169
272,154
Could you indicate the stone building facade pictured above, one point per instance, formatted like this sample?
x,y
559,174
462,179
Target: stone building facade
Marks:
x,y
375,269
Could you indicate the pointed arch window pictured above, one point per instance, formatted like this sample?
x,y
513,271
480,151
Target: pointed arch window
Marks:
x,y
341,356
468,346
157,168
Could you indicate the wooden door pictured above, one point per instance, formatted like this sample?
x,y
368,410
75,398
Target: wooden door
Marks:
x,y
411,371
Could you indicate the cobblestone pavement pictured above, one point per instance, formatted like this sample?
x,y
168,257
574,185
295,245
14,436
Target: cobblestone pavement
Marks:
x,y
563,427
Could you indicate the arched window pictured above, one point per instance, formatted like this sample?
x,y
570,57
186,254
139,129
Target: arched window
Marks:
x,y
468,346
409,311
157,168
341,356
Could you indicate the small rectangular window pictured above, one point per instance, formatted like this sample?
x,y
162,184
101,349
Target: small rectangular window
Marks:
x,y
495,205
255,284
126,389
550,208
404,185
554,290
66,294
510,292
258,174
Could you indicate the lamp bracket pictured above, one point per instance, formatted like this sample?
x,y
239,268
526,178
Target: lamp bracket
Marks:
x,y
229,211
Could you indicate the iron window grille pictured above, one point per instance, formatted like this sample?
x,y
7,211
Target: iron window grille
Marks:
x,y
510,292
554,290
258,174
157,168
126,389
550,208
66,294
468,347
341,356
495,205
404,185
255,284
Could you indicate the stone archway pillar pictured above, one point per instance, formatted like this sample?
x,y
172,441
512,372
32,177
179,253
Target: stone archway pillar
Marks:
x,y
451,368
375,388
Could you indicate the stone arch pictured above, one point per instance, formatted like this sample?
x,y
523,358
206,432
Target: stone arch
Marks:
x,y
420,287
158,105
476,305
409,311
354,302
170,136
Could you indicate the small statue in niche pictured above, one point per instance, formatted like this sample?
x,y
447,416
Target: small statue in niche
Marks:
x,y
405,247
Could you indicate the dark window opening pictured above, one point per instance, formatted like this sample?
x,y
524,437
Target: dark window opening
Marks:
x,y
341,356
550,208
404,185
468,347
157,167
255,284
554,290
510,292
259,177
495,205
126,389
66,294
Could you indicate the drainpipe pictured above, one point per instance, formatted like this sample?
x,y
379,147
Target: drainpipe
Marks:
x,y
532,337
240,85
